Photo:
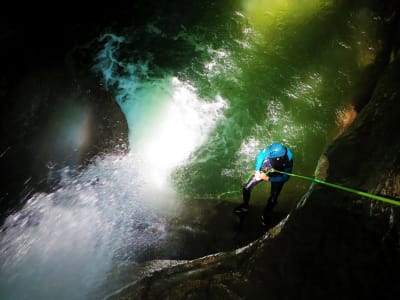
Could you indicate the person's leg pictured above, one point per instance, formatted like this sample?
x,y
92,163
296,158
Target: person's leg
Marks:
x,y
276,188
244,207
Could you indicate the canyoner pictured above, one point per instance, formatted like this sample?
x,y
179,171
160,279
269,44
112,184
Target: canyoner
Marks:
x,y
274,157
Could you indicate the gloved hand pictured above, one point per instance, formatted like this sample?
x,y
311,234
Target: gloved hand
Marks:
x,y
261,176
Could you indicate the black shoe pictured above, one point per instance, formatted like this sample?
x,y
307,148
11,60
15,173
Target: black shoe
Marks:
x,y
263,221
241,209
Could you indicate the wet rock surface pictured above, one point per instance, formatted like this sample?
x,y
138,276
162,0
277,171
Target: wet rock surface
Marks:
x,y
202,227
198,228
54,115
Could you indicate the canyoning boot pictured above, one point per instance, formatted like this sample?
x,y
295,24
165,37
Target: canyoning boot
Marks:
x,y
241,209
264,222
240,212
266,218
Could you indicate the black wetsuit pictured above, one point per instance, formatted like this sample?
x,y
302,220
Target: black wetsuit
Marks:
x,y
277,180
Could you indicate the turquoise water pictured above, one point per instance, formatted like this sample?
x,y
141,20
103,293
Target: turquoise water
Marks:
x,y
239,77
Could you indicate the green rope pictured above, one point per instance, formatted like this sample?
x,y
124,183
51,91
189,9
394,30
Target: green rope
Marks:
x,y
336,186
221,195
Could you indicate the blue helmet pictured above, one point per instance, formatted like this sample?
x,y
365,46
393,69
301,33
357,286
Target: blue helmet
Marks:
x,y
276,150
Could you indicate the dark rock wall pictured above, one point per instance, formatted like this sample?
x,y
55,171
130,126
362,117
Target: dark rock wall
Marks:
x,y
54,112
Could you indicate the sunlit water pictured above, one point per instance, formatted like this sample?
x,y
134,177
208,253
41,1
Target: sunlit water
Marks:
x,y
61,245
201,99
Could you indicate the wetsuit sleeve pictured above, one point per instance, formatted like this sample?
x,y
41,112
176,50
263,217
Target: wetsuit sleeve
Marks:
x,y
260,158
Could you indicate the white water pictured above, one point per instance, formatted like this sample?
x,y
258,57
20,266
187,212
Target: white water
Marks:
x,y
60,245
63,244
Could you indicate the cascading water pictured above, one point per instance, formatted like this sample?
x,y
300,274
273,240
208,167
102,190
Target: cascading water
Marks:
x,y
200,101
61,245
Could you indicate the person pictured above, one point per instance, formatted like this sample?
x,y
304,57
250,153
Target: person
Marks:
x,y
275,156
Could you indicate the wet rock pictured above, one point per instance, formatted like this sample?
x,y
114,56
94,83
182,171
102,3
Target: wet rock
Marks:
x,y
54,116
